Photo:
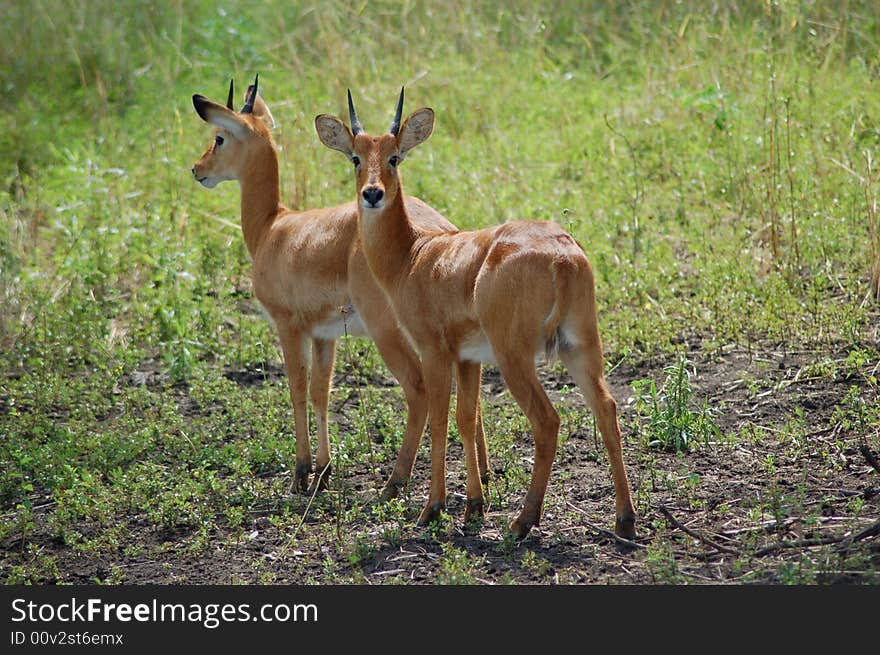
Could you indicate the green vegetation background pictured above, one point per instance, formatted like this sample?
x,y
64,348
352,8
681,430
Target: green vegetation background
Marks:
x,y
716,160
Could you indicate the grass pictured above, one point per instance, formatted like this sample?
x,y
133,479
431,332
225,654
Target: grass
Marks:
x,y
717,163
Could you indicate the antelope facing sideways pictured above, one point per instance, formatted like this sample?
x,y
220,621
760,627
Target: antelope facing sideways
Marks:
x,y
312,277
503,294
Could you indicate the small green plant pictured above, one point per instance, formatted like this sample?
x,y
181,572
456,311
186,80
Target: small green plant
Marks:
x,y
441,529
507,545
391,517
22,519
660,560
857,360
38,568
823,367
801,572
855,413
665,415
536,564
457,567
363,548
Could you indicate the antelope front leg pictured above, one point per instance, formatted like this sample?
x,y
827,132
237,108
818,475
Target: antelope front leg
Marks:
x,y
404,364
467,416
293,344
323,356
438,382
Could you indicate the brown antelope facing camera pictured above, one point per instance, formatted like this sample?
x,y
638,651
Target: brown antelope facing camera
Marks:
x,y
311,276
504,294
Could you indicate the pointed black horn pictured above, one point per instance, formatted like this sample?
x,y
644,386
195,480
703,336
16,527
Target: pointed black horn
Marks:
x,y
252,95
231,92
353,117
395,126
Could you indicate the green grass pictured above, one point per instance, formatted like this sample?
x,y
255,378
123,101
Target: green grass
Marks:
x,y
718,164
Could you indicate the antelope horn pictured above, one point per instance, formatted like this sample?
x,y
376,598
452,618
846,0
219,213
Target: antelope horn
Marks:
x,y
395,126
352,115
249,105
229,97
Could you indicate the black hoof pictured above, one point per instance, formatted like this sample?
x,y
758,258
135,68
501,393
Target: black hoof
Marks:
x,y
523,524
474,510
321,480
431,513
625,526
391,491
301,477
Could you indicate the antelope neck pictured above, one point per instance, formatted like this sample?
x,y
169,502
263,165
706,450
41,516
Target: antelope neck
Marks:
x,y
388,237
259,201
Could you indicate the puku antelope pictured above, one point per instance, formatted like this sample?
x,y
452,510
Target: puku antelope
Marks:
x,y
312,277
503,294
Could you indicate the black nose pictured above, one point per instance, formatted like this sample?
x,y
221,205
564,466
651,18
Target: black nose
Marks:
x,y
373,195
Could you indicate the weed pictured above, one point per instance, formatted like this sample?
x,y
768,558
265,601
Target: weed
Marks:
x,y
660,560
362,549
440,530
854,413
801,572
535,564
458,567
666,419
38,567
393,520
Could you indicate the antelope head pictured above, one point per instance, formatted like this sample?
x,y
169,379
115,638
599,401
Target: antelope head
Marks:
x,y
376,158
238,138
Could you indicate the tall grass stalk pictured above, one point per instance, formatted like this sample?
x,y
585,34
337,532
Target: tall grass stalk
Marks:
x,y
870,181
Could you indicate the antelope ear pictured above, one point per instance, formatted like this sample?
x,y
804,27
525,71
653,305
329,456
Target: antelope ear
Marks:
x,y
261,109
415,130
220,116
334,134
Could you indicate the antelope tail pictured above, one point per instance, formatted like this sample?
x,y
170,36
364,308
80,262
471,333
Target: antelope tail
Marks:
x,y
564,273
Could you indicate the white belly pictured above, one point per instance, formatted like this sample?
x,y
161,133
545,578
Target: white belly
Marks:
x,y
476,348
344,322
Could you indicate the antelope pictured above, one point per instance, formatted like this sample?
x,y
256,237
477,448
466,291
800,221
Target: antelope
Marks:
x,y
504,295
311,276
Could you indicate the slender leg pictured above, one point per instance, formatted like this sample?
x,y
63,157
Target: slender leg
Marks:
x,y
466,417
438,382
323,356
405,366
482,450
522,380
293,343
586,367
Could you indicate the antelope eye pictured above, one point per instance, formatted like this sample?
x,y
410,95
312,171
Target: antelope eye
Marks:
x,y
355,160
394,161
218,140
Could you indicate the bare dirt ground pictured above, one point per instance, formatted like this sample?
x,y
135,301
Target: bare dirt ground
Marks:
x,y
769,503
